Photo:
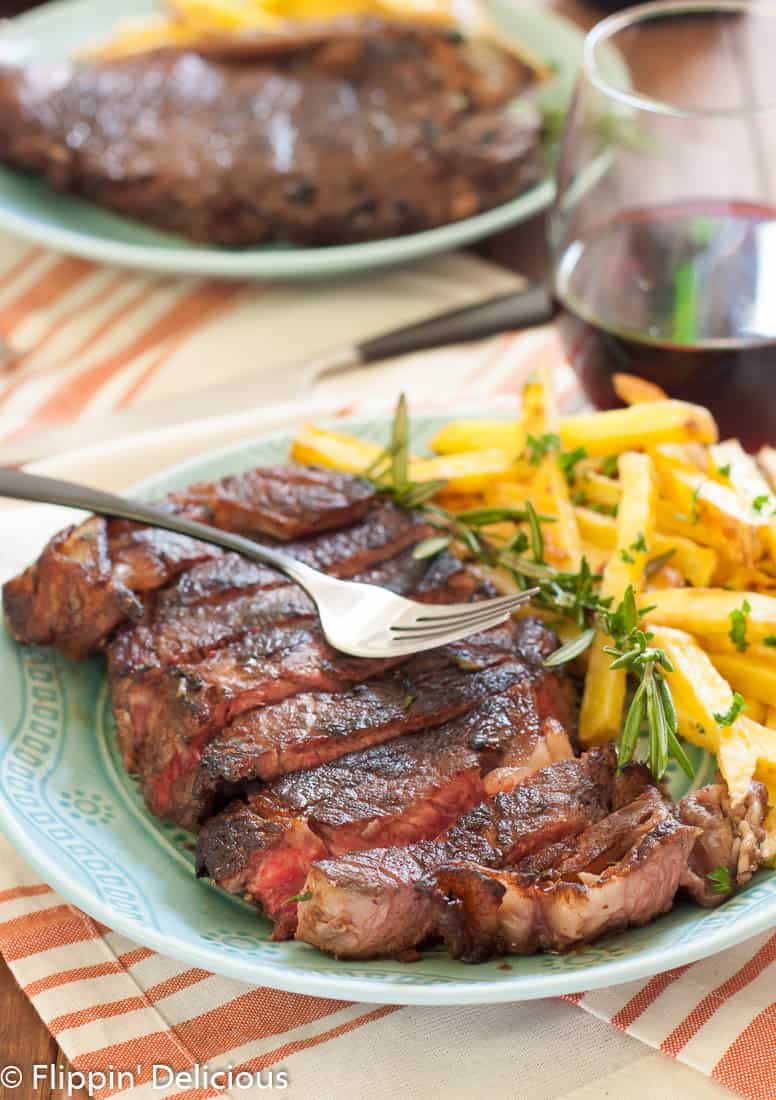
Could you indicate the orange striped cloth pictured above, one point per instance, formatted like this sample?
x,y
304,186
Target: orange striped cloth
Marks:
x,y
87,341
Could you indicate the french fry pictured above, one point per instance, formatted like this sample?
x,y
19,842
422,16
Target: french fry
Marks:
x,y
640,427
604,694
600,433
755,710
696,563
321,447
698,690
720,518
604,491
704,611
541,416
634,390
724,645
766,460
467,472
752,678
752,487
473,435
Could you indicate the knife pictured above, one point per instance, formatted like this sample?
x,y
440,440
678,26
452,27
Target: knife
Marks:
x,y
514,310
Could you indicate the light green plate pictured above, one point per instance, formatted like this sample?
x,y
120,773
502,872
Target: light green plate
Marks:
x,y
30,209
69,808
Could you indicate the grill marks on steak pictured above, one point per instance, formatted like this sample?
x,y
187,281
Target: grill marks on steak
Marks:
x,y
379,902
311,728
396,128
87,579
622,871
408,789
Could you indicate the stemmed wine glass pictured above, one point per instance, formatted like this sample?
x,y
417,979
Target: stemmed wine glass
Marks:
x,y
663,233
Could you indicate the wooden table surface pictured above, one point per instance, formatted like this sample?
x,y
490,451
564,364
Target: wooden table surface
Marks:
x,y
24,1040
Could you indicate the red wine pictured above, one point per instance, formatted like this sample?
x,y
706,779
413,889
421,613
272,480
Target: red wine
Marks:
x,y
685,295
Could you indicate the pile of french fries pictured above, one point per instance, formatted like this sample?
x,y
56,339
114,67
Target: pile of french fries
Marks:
x,y
186,22
651,498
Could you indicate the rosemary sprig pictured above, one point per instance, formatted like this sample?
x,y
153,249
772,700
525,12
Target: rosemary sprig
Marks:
x,y
570,595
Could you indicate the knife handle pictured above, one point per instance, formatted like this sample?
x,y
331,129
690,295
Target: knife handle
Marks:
x,y
515,310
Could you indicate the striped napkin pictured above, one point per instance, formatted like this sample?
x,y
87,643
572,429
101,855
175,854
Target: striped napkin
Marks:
x,y
85,342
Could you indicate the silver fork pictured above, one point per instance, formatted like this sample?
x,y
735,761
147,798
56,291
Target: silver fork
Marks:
x,y
363,620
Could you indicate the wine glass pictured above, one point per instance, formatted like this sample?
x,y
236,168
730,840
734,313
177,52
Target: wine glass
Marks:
x,y
663,233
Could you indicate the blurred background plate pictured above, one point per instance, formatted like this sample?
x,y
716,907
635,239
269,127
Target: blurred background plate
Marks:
x,y
31,210
71,811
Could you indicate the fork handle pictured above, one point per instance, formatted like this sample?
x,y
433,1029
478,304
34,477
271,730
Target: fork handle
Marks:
x,y
48,490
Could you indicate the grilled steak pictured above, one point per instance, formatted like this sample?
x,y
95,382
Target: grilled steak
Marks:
x,y
430,688
374,903
89,578
730,840
358,130
409,789
621,871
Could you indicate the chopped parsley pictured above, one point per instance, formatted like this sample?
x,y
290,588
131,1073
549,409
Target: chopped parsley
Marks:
x,y
609,466
567,460
627,557
724,471
759,502
537,446
298,897
738,625
770,640
408,700
640,544
720,880
694,512
729,716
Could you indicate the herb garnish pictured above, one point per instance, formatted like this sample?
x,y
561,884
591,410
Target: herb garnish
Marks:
x,y
738,625
567,460
770,640
539,446
728,717
759,502
609,466
298,897
724,471
571,596
720,880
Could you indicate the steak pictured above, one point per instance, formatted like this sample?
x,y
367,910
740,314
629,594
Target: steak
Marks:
x,y
358,130
382,902
729,840
622,871
430,688
90,578
409,789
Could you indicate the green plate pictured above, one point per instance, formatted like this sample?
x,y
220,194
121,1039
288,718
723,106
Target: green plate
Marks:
x,y
30,209
78,819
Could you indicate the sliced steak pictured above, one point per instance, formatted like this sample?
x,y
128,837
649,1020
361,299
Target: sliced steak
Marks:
x,y
89,578
430,688
376,903
358,130
70,597
282,502
409,789
623,871
728,847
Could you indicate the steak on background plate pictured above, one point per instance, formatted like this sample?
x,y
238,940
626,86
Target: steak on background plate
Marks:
x,y
349,131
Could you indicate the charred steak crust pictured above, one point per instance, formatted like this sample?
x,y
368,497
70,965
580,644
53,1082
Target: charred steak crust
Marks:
x,y
360,130
382,902
89,579
405,790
